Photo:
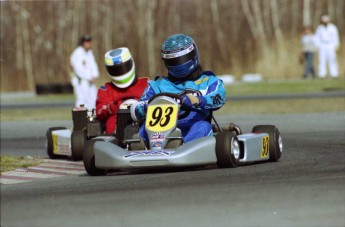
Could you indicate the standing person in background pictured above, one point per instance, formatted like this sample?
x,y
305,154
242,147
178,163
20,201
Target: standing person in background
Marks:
x,y
85,73
309,45
328,43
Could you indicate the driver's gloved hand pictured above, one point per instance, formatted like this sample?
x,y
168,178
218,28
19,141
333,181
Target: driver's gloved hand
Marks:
x,y
190,100
113,107
140,110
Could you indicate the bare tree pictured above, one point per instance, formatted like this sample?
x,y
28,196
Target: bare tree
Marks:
x,y
233,36
150,36
24,15
306,12
219,30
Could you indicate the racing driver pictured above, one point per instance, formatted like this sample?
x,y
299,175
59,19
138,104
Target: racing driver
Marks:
x,y
124,84
200,90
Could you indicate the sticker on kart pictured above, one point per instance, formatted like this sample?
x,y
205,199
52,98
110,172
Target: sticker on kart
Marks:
x,y
60,148
161,118
149,153
265,147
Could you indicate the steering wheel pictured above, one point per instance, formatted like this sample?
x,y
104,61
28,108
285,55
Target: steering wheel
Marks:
x,y
186,111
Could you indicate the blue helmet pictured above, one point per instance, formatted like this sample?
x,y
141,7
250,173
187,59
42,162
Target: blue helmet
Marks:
x,y
180,55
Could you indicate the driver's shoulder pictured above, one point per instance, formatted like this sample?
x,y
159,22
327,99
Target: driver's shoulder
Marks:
x,y
159,80
208,73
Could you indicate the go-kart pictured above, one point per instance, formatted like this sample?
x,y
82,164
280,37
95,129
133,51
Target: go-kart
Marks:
x,y
165,148
63,142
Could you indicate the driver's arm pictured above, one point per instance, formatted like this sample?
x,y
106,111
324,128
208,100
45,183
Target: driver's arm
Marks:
x,y
213,99
105,104
215,96
138,110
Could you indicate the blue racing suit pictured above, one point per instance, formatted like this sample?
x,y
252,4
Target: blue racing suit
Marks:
x,y
195,125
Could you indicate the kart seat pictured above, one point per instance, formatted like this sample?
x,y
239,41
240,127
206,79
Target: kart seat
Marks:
x,y
176,141
136,145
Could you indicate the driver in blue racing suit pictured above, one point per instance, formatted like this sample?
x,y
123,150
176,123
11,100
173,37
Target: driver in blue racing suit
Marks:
x,y
200,90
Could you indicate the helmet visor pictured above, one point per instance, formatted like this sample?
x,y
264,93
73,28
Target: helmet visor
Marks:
x,y
120,69
179,58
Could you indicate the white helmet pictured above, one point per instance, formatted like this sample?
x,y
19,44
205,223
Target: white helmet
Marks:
x,y
120,67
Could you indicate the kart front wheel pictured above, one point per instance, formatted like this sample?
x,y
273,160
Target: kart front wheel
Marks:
x,y
50,142
227,150
89,159
78,139
275,140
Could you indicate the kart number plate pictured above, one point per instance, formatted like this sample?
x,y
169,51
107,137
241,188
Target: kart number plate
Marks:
x,y
161,118
265,147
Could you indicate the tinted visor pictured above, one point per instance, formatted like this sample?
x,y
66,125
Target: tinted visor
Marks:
x,y
180,60
120,69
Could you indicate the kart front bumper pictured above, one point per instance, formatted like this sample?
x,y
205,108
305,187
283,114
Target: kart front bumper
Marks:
x,y
195,153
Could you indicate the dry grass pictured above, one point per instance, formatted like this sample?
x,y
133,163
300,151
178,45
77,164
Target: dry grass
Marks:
x,y
284,106
232,107
8,163
36,114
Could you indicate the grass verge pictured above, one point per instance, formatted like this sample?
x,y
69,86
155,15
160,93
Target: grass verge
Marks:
x,y
283,106
286,87
8,163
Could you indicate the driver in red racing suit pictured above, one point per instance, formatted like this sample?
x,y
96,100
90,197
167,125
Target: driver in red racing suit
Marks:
x,y
124,85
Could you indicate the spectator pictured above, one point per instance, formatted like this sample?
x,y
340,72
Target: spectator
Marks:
x,y
124,84
200,90
328,42
85,73
309,46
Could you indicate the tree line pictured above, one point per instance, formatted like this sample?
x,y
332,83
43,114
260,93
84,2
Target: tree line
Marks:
x,y
233,36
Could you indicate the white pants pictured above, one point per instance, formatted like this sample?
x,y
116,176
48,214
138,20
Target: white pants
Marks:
x,y
328,56
85,93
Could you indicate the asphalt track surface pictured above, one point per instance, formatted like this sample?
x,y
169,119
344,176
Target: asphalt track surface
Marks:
x,y
305,188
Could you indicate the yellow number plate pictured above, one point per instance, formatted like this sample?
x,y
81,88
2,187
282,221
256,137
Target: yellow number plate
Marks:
x,y
161,118
265,147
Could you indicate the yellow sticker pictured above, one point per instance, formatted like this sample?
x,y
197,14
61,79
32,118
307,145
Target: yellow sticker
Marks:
x,y
161,118
55,144
126,56
108,61
265,147
201,80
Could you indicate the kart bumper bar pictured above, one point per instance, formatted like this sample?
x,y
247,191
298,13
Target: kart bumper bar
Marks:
x,y
194,153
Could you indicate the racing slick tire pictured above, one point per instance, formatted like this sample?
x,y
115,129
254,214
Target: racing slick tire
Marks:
x,y
89,159
50,143
275,140
78,139
227,150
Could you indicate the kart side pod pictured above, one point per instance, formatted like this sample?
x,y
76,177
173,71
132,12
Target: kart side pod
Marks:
x,y
254,147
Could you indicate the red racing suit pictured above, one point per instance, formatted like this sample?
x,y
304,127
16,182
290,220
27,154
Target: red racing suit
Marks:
x,y
110,97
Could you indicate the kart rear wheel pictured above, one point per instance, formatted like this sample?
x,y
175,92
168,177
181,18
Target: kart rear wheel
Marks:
x,y
89,159
78,139
275,140
227,150
50,142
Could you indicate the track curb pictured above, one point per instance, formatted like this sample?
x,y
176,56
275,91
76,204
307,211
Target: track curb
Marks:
x,y
47,169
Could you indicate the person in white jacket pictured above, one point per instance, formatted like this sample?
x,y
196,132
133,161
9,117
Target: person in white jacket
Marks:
x,y
328,42
85,73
